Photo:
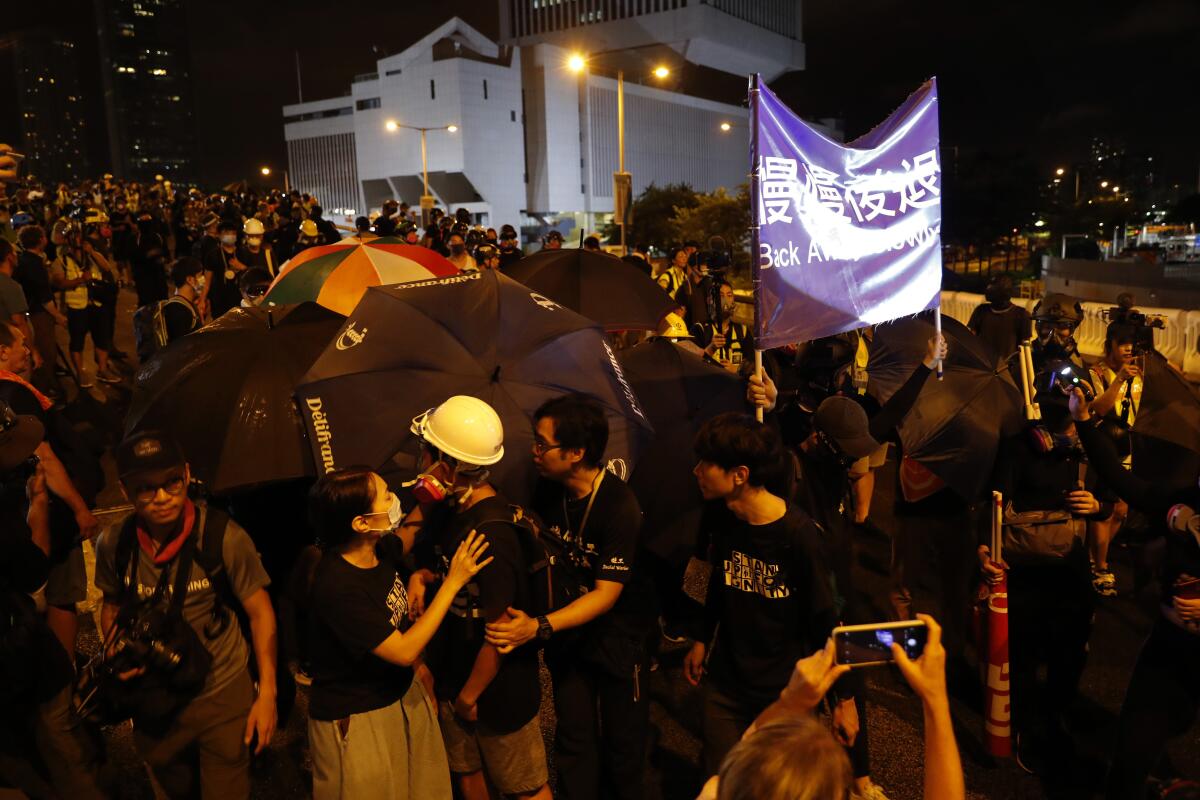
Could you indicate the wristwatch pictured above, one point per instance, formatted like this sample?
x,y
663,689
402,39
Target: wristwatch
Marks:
x,y
545,629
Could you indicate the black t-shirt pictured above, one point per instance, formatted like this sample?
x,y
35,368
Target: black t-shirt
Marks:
x,y
179,317
514,695
509,257
1003,330
34,277
694,299
354,611
223,294
770,600
604,549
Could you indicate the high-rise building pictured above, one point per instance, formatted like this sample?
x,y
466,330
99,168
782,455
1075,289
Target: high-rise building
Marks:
x,y
146,78
41,68
535,135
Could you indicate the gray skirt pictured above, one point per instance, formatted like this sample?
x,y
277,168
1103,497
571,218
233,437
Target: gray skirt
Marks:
x,y
392,752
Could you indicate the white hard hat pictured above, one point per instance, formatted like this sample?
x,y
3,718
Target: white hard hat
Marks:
x,y
464,428
253,227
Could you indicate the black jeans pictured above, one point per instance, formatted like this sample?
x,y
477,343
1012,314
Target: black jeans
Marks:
x,y
1160,704
603,720
1050,618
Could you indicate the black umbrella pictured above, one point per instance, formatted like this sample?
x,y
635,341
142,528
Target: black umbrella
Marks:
x,y
226,393
955,427
408,347
680,391
601,287
1166,430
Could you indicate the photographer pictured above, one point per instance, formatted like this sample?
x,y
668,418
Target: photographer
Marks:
x,y
73,273
35,673
1117,380
188,711
726,342
1162,700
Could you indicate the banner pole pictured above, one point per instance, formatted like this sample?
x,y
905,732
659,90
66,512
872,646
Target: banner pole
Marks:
x,y
937,326
754,223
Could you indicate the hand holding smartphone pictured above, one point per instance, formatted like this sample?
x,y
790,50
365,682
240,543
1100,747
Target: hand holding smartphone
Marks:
x,y
869,645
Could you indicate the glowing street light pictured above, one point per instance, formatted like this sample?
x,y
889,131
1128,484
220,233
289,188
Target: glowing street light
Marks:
x,y
391,125
1116,189
661,71
1060,172
265,171
451,128
426,199
576,62
1039,224
1103,184
726,127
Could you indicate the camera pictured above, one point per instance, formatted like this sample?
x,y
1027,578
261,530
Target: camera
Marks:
x,y
139,644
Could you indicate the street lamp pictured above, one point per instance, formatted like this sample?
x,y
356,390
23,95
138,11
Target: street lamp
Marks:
x,y
426,199
1060,172
726,127
266,171
1103,184
622,180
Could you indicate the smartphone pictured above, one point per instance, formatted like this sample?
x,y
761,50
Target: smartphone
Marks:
x,y
866,645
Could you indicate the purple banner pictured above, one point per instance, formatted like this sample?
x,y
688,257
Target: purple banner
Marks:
x,y
848,235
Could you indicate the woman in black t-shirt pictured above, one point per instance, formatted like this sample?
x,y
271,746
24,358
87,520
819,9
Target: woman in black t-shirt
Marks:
x,y
371,725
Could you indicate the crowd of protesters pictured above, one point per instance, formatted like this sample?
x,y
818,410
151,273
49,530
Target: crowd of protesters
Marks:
x,y
424,633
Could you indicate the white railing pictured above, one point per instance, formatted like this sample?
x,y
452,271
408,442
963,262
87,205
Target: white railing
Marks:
x,y
1177,340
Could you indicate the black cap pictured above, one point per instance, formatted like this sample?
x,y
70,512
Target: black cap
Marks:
x,y
20,435
148,451
845,422
554,236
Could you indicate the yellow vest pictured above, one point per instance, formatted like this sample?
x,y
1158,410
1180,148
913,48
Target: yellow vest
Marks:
x,y
77,298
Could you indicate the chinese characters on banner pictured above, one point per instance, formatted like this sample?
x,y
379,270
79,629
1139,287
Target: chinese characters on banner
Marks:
x,y
848,235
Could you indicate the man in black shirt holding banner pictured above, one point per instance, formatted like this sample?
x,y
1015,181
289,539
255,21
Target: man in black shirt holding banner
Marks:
x,y
595,646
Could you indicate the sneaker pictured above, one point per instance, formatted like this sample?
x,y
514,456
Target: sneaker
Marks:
x,y
1104,582
86,382
302,678
873,791
108,377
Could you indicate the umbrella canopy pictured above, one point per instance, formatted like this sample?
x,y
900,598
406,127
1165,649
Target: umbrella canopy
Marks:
x,y
407,348
955,427
337,275
225,393
1166,431
613,292
680,391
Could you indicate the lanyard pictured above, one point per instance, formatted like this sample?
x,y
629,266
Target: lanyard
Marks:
x,y
587,512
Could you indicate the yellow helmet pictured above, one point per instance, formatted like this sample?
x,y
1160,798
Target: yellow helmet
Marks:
x,y
676,328
308,229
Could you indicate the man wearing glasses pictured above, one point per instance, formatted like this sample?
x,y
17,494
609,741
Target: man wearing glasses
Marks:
x,y
165,535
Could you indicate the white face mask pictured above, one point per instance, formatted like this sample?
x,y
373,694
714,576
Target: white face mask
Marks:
x,y
200,284
229,238
253,241
394,514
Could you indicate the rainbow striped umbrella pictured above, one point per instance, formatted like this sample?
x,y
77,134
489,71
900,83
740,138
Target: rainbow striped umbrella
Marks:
x,y
337,275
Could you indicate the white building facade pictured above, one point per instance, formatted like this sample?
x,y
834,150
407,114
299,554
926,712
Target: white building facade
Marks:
x,y
535,143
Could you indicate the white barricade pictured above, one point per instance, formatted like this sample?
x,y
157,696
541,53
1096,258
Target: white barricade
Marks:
x,y
1178,340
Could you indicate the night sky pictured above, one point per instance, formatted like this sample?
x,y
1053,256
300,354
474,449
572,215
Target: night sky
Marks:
x,y
1033,79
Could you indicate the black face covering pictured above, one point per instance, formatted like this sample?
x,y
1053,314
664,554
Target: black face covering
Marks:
x,y
458,249
998,298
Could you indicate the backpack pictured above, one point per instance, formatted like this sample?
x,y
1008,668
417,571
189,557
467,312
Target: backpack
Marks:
x,y
150,326
553,583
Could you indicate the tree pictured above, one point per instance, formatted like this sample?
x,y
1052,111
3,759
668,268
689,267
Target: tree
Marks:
x,y
653,213
717,214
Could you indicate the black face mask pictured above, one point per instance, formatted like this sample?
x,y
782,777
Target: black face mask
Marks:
x,y
998,297
458,249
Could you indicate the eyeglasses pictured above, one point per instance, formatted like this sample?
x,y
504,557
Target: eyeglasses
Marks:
x,y
541,448
146,492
